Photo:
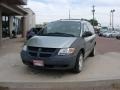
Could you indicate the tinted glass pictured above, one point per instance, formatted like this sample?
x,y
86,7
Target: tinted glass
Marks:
x,y
90,27
86,27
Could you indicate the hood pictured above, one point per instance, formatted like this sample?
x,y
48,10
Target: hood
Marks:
x,y
51,41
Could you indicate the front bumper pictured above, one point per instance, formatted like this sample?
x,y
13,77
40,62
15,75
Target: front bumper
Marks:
x,y
54,62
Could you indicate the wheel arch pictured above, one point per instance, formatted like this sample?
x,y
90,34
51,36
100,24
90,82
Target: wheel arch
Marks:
x,y
82,50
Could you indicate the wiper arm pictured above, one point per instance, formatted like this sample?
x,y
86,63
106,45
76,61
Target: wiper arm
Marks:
x,y
63,34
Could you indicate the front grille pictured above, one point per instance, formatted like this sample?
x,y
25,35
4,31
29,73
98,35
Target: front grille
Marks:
x,y
33,54
45,55
48,49
41,52
33,48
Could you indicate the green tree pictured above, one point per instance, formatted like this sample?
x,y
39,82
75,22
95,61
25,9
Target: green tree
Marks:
x,y
95,22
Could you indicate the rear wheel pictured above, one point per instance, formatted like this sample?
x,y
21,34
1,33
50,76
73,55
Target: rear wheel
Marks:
x,y
79,63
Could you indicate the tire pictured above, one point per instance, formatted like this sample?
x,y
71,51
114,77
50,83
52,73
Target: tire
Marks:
x,y
118,37
79,63
24,62
92,54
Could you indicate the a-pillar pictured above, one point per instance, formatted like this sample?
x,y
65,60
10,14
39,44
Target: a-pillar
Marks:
x,y
0,27
11,25
24,26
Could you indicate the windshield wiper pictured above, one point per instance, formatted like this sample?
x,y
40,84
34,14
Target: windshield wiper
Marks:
x,y
59,34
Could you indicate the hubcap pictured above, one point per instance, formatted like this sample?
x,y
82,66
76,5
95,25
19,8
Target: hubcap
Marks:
x,y
81,62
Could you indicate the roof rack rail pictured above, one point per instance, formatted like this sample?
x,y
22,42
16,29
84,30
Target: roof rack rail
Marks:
x,y
70,19
76,19
84,19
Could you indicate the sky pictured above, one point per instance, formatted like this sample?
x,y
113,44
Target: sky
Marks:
x,y
50,10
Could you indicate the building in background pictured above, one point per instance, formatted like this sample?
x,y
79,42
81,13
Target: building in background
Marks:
x,y
30,18
14,17
16,26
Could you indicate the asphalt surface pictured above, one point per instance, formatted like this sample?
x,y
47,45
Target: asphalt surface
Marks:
x,y
104,66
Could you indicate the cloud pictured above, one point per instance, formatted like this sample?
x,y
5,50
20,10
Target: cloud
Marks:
x,y
107,3
49,10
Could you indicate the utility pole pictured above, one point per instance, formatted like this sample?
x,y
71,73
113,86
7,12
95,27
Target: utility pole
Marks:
x,y
69,14
110,18
112,12
93,11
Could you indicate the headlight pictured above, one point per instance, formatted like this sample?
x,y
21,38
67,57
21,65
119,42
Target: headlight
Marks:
x,y
24,48
66,51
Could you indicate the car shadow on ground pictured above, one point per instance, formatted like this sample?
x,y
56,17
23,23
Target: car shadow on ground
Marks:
x,y
49,72
53,73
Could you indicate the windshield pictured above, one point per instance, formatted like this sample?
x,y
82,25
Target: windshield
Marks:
x,y
63,28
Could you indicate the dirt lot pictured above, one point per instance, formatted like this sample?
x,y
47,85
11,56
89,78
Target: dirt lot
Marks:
x,y
104,66
106,45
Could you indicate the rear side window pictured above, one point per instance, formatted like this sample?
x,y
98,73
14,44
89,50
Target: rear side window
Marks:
x,y
85,27
90,27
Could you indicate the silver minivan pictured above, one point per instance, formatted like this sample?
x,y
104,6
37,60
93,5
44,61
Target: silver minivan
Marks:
x,y
63,44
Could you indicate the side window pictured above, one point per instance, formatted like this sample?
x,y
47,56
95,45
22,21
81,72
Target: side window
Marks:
x,y
90,28
85,27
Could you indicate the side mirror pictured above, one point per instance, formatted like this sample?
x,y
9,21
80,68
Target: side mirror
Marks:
x,y
87,34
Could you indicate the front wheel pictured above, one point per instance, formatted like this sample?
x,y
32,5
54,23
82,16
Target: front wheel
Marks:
x,y
79,63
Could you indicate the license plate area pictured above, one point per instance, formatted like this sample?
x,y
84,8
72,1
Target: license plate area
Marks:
x,y
38,63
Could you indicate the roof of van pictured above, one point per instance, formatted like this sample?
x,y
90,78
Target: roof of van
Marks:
x,y
77,20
